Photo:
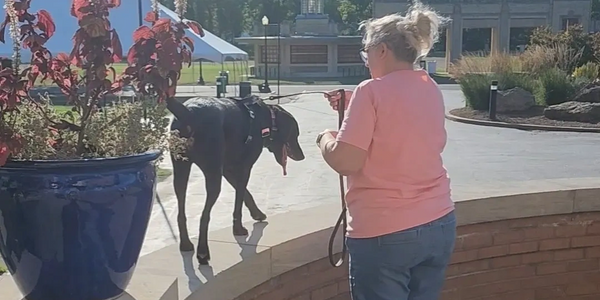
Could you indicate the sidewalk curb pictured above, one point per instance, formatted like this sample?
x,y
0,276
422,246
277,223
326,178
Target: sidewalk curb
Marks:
x,y
527,127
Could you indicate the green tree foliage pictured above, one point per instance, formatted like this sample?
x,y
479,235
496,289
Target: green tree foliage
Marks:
x,y
352,12
229,18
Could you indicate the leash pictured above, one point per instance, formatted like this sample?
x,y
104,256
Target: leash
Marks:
x,y
342,220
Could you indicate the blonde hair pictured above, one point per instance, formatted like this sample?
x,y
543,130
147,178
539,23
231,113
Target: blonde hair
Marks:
x,y
410,37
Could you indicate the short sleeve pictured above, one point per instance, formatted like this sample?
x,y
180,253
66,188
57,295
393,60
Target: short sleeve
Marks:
x,y
359,122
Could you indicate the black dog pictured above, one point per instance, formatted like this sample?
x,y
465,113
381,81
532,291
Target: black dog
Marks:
x,y
228,135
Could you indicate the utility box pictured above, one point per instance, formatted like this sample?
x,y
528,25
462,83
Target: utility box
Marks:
x,y
245,89
431,67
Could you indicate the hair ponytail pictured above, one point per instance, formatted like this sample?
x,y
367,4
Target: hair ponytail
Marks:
x,y
421,25
410,36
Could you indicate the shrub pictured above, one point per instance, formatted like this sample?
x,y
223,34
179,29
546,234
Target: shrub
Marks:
x,y
555,87
31,129
509,81
589,71
475,63
540,58
476,87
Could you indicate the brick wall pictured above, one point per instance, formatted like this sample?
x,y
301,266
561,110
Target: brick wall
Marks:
x,y
551,257
314,281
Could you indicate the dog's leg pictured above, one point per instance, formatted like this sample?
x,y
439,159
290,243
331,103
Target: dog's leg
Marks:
x,y
181,174
255,212
242,176
213,175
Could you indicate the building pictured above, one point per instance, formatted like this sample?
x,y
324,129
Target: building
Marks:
x,y
311,48
308,48
498,15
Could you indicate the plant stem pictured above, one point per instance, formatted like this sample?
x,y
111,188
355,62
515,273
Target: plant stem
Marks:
x,y
85,110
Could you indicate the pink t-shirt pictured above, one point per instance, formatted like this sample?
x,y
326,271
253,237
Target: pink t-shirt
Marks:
x,y
399,120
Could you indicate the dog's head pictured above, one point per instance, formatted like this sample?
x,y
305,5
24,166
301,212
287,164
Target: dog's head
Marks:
x,y
284,141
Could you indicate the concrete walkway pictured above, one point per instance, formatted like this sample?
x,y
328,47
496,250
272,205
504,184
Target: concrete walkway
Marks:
x,y
478,159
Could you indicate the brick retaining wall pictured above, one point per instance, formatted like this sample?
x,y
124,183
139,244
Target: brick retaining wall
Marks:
x,y
550,257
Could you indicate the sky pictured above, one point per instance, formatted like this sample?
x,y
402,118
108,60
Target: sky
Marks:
x,y
124,19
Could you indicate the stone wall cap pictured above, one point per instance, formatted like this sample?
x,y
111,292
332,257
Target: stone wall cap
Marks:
x,y
293,239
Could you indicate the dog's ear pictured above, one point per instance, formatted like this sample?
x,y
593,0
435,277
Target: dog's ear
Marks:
x,y
288,134
287,124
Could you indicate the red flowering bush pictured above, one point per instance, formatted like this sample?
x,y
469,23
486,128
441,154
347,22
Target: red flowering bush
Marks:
x,y
31,129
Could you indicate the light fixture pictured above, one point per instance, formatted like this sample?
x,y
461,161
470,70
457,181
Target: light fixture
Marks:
x,y
265,21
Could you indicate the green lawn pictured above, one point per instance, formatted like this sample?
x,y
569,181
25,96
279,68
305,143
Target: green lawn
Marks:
x,y
237,72
163,174
61,109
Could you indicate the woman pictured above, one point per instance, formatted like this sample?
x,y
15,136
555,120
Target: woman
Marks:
x,y
401,223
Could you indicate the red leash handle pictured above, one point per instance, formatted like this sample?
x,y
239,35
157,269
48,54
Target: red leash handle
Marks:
x,y
342,221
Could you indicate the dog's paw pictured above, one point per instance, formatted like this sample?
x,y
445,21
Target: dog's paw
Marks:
x,y
186,246
239,230
258,216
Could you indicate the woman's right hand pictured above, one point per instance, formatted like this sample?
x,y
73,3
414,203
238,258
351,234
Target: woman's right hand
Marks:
x,y
335,96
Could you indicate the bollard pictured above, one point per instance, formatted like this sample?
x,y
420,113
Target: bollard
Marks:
x,y
220,86
493,96
245,89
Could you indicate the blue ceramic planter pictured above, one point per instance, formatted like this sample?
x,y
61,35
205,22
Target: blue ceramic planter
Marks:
x,y
73,230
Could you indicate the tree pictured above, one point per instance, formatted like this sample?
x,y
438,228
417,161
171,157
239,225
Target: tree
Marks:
x,y
352,13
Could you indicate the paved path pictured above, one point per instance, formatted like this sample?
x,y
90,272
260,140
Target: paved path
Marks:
x,y
476,157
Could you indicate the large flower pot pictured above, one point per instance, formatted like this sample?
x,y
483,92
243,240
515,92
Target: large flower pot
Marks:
x,y
73,230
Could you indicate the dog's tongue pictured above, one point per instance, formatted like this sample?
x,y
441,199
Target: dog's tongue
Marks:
x,y
284,160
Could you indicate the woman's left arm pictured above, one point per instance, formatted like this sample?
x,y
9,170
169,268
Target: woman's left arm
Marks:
x,y
346,151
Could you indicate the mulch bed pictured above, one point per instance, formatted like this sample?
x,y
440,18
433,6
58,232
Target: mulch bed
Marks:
x,y
533,116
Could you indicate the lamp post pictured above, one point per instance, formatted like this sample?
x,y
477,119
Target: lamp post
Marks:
x,y
264,88
278,57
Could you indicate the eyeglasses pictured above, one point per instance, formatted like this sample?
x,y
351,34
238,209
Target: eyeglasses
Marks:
x,y
363,55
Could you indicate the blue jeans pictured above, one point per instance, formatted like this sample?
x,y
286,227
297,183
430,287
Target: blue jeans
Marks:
x,y
404,265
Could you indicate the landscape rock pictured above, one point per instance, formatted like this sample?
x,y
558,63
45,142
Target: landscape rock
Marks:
x,y
513,100
586,112
589,94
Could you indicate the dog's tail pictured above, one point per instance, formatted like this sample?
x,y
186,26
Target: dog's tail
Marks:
x,y
182,113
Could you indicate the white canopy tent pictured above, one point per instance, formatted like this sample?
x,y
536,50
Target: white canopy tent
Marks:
x,y
212,48
208,48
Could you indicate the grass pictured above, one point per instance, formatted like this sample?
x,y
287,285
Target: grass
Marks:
x,y
190,75
2,268
163,174
61,109
237,73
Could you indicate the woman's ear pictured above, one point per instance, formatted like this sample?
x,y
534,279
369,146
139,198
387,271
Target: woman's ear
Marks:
x,y
383,50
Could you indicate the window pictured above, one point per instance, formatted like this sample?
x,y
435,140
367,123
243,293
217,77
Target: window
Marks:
x,y
568,22
308,54
349,54
272,54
